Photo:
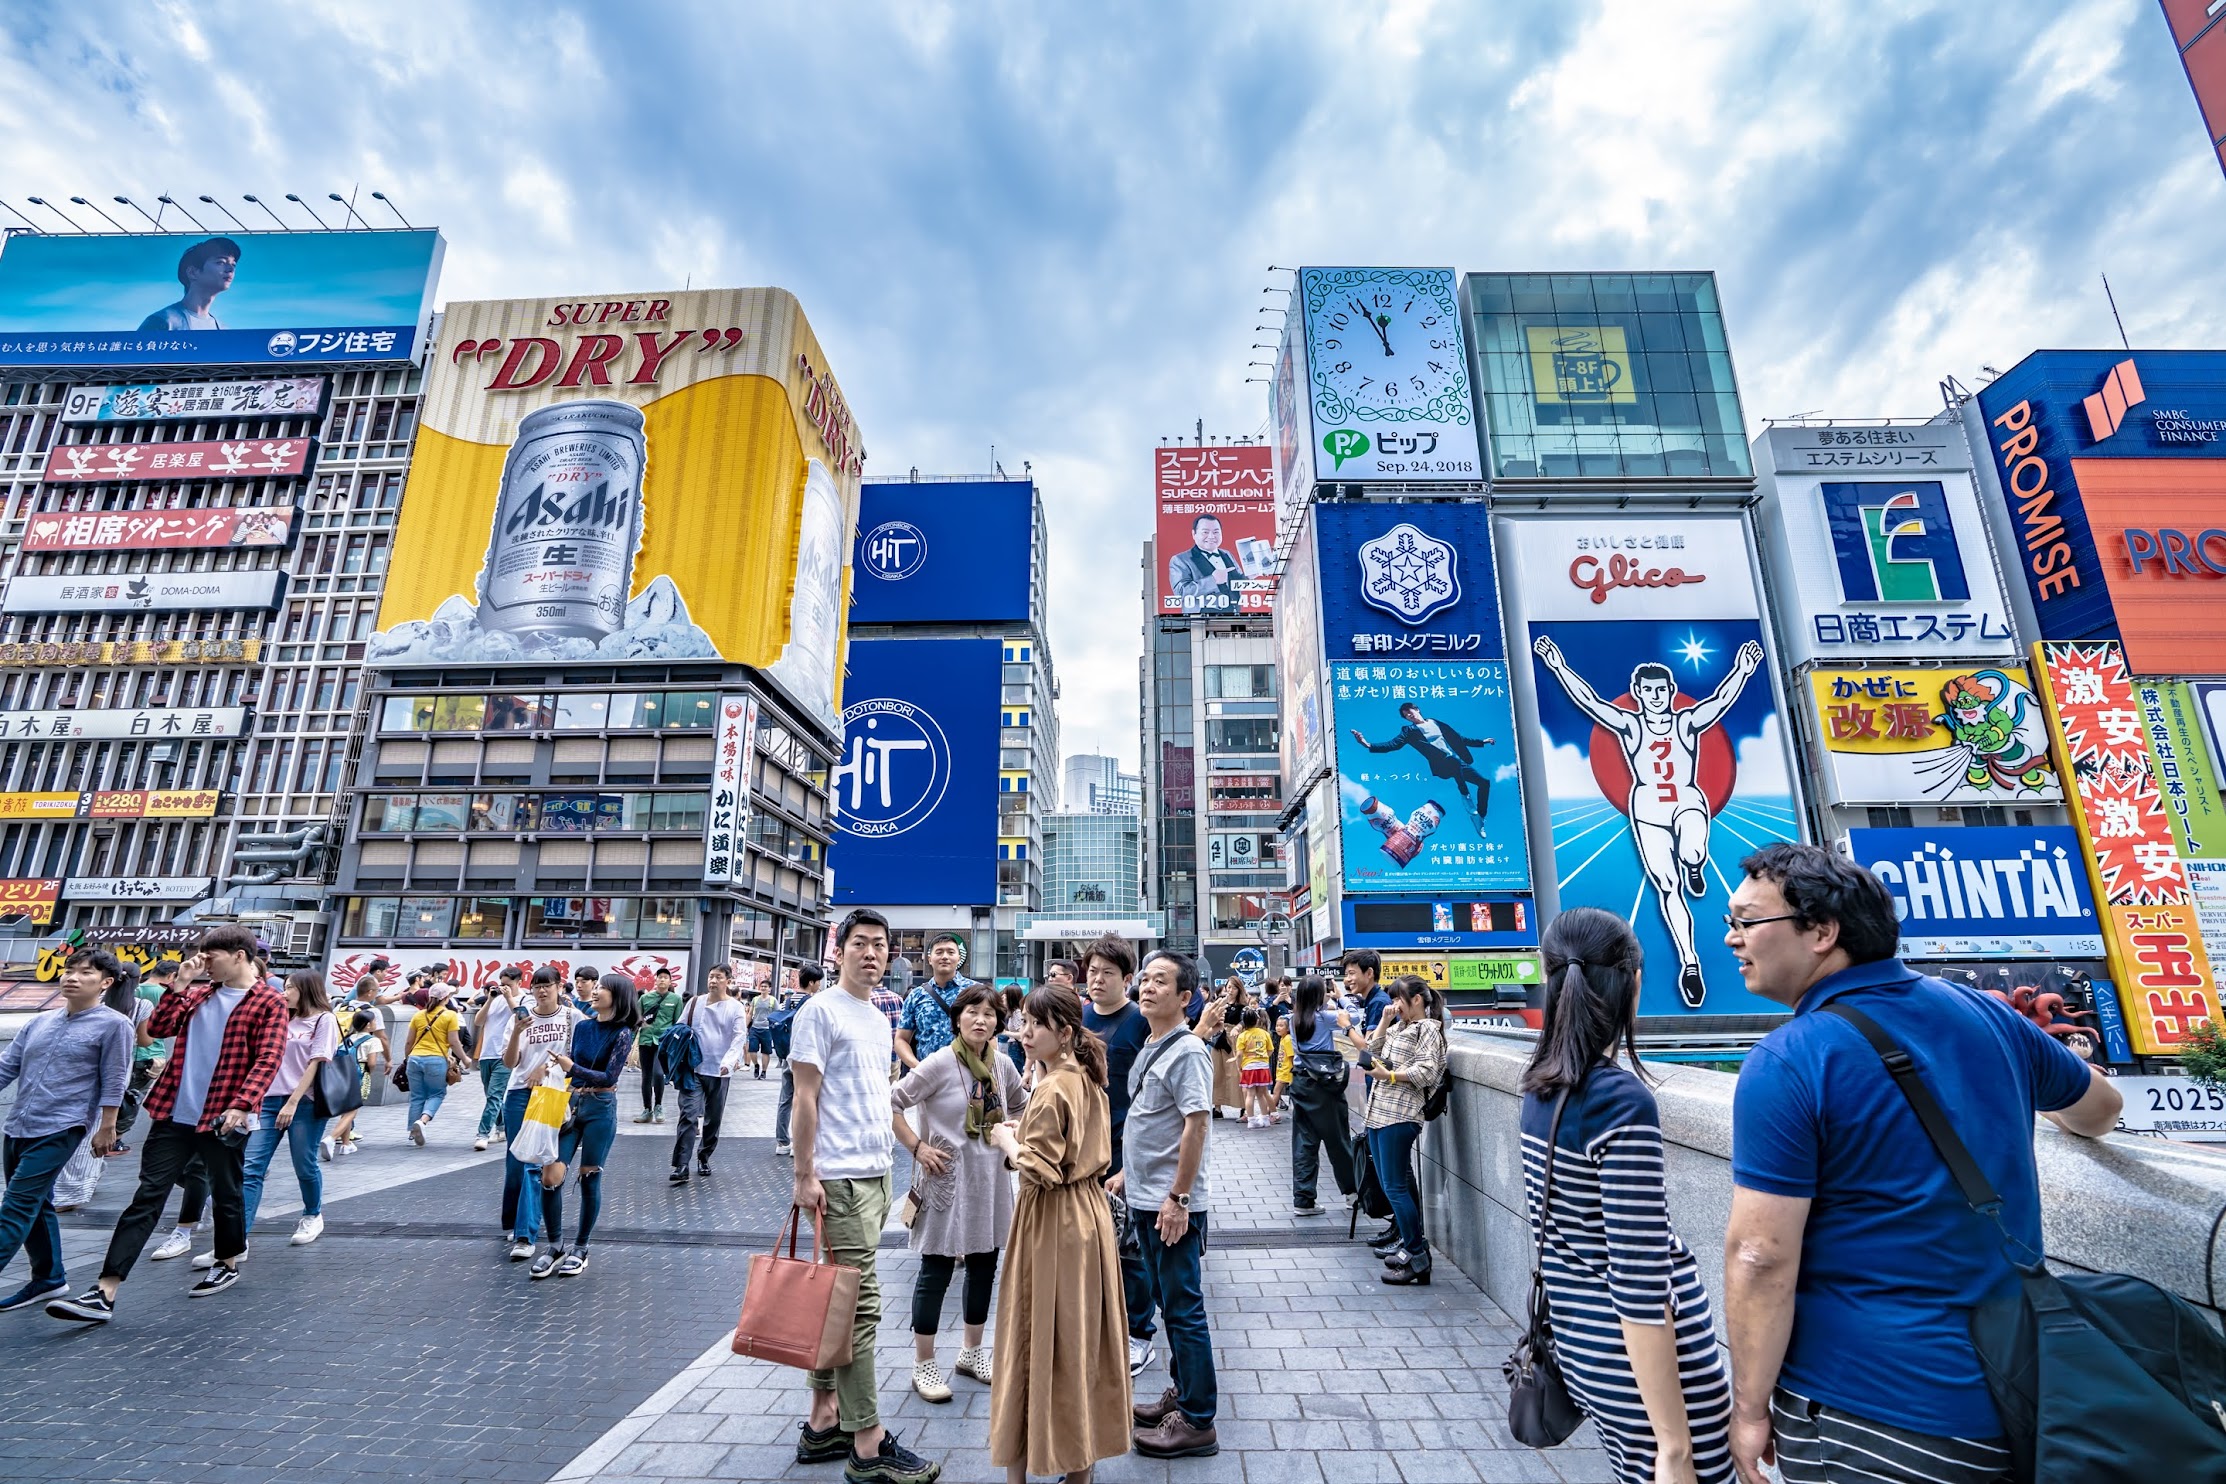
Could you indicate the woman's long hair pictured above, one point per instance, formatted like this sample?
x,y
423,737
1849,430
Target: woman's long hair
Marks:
x,y
1313,993
625,999
314,1000
1593,961
1060,1008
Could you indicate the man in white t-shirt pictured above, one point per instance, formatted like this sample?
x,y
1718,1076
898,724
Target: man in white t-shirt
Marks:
x,y
538,1031
839,1051
716,1017
491,1035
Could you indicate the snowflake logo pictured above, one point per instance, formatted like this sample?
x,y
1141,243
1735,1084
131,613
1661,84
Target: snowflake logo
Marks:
x,y
1409,574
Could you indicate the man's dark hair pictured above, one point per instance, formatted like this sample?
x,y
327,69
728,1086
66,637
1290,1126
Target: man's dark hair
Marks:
x,y
941,938
586,971
1406,706
1074,970
1114,949
1186,968
1363,958
227,937
808,975
164,967
201,252
1819,887
1201,520
859,917
99,960
511,971
1652,671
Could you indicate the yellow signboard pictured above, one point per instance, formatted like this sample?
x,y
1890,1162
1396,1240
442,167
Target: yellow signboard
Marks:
x,y
130,803
1468,971
1580,365
39,806
1941,736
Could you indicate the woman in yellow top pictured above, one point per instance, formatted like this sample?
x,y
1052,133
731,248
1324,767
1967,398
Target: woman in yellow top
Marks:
x,y
1060,1400
1255,1069
433,1044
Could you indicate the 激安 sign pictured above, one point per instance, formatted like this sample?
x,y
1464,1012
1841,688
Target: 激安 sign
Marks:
x,y
136,888
122,723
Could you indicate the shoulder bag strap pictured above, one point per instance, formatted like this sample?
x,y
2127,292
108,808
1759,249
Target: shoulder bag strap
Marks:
x,y
1537,1316
1969,1178
1152,1054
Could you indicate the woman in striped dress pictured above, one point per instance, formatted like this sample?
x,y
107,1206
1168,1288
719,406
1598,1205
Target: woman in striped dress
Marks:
x,y
1630,1319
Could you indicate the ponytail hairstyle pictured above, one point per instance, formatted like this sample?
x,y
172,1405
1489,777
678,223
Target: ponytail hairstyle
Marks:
x,y
1414,986
1313,993
1057,1007
1593,962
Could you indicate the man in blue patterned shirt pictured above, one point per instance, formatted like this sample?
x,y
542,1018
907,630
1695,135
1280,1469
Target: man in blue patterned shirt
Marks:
x,y
924,1026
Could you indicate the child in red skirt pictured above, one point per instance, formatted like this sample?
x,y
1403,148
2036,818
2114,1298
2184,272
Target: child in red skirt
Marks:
x,y
1255,1069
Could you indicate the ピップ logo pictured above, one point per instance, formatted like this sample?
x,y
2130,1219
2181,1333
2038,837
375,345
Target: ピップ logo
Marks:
x,y
1895,543
1409,573
2121,390
893,550
896,766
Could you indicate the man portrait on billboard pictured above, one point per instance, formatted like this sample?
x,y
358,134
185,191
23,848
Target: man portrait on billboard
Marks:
x,y
1201,575
205,271
1448,753
1669,813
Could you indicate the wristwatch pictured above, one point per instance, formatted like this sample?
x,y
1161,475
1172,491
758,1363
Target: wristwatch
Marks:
x,y
1180,1198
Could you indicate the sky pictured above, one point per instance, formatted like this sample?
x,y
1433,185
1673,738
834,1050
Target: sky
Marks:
x,y
1046,232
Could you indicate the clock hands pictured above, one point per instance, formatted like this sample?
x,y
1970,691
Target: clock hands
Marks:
x,y
1373,323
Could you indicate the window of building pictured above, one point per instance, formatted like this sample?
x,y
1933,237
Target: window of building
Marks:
x,y
1241,734
483,917
1240,682
585,713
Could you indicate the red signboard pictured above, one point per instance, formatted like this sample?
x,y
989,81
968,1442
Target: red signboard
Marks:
x,y
1216,530
142,530
2201,39
249,458
2106,758
32,898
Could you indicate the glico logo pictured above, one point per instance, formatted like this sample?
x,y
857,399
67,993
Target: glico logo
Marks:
x,y
1895,543
893,550
2107,408
895,769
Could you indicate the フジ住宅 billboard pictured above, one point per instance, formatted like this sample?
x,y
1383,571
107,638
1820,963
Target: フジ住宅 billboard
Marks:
x,y
935,551
215,299
1215,531
2106,468
1876,546
1659,747
914,790
655,477
1942,736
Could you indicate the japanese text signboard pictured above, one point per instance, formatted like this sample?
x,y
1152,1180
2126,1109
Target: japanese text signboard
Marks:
x,y
143,592
292,396
158,530
1411,580
247,458
734,749
32,898
131,652
119,723
156,803
2156,946
1215,537
1940,736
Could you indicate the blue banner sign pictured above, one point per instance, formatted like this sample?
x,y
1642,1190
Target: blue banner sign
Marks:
x,y
938,552
1982,892
1410,580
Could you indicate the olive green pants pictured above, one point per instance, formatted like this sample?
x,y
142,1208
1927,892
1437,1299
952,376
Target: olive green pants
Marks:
x,y
850,1232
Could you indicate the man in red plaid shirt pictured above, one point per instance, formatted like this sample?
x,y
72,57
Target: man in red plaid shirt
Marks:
x,y
231,1031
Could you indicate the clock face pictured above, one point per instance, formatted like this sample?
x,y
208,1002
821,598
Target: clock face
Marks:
x,y
1386,344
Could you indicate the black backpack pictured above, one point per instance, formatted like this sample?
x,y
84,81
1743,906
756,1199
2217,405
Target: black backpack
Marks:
x,y
2099,1377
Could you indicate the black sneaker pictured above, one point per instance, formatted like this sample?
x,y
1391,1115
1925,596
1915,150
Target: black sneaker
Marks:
x,y
215,1280
821,1447
90,1307
30,1293
677,1177
894,1464
703,1169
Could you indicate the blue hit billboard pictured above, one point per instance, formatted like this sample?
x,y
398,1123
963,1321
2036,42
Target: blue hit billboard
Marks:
x,y
938,552
915,790
215,298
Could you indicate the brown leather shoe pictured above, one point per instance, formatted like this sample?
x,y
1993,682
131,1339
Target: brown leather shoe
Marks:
x,y
1151,1414
1175,1437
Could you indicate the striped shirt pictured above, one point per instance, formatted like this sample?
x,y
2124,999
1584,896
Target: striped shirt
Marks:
x,y
1609,1255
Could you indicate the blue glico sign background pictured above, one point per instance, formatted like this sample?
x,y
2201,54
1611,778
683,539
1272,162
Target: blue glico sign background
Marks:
x,y
915,789
942,552
1409,580
1988,890
289,298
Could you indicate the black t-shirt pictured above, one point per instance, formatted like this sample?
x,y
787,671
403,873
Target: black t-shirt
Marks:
x,y
1124,1033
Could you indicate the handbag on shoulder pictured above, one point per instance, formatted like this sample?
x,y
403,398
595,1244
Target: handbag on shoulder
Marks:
x,y
1540,1411
795,1311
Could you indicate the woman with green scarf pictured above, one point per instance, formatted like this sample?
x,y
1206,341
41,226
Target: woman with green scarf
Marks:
x,y
960,1208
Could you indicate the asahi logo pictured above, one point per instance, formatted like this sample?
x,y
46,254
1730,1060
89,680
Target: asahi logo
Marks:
x,y
539,507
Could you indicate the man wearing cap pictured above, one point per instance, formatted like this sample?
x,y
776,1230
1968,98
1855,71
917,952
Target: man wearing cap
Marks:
x,y
205,271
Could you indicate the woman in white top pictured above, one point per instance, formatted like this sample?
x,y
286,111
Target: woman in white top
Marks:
x,y
290,1108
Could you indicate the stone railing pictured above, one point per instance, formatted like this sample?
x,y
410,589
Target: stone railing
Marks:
x,y
2122,1204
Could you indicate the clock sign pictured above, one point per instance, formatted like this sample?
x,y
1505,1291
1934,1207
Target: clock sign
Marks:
x,y
1388,375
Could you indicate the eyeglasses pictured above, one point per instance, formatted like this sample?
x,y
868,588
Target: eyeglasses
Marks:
x,y
1745,925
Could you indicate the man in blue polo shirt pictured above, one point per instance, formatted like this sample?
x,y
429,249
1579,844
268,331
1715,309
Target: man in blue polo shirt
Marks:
x,y
1852,1262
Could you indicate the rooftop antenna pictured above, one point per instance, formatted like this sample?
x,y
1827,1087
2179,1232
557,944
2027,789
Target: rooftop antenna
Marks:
x,y
274,216
95,210
381,196
349,207
219,205
50,206
304,205
135,206
169,201
1201,432
2113,298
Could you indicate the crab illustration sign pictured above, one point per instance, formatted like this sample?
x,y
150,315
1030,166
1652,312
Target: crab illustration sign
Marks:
x,y
1934,736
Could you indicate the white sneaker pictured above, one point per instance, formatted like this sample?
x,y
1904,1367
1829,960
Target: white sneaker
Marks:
x,y
928,1381
480,1142
308,1230
328,1149
208,1259
177,1244
417,1132
1139,1355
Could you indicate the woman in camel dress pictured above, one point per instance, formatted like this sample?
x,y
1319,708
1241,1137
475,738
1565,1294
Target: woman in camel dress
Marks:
x,y
1060,1400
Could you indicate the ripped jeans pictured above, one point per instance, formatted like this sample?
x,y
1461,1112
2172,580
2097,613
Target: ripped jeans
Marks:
x,y
587,1139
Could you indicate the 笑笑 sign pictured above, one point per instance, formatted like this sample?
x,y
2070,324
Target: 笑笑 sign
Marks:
x,y
215,299
156,530
1945,736
1879,545
1215,534
1981,891
246,458
1387,389
2156,947
655,478
290,396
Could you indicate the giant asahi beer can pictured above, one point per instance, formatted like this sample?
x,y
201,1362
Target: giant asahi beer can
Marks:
x,y
568,521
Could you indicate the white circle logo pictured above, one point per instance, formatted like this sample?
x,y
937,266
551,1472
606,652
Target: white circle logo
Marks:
x,y
895,768
893,550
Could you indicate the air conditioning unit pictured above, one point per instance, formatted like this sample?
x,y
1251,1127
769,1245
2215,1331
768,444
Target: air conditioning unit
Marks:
x,y
305,939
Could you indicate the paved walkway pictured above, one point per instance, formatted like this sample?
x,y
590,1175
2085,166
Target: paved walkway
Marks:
x,y
404,1346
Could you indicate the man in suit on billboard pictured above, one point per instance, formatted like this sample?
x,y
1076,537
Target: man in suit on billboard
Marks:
x,y
1201,575
1449,754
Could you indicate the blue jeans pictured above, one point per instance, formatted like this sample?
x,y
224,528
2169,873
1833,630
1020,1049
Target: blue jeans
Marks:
x,y
301,1138
1178,1278
583,1146
521,1193
428,1085
1392,1149
788,1100
27,1218
494,1078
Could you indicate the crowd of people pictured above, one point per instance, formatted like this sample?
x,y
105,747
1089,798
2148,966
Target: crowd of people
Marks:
x,y
1060,1140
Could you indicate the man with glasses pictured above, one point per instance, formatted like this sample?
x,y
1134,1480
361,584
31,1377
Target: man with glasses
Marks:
x,y
1852,1262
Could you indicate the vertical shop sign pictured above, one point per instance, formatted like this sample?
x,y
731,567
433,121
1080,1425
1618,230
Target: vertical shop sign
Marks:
x,y
729,812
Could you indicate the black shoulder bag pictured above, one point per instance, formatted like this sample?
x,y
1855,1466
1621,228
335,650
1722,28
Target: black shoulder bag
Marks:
x,y
1540,1412
2100,1378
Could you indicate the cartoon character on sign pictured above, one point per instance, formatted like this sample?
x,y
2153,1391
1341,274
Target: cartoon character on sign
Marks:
x,y
1999,740
1680,770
